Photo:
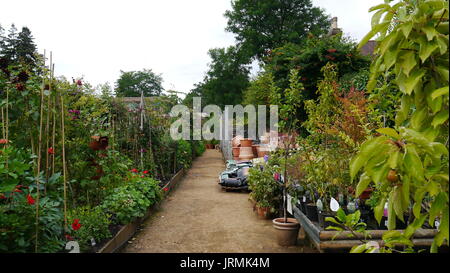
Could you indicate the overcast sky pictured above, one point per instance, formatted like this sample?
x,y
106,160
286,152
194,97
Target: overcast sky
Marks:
x,y
98,38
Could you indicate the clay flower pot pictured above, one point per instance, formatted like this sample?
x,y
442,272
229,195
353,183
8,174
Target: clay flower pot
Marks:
x,y
246,142
246,152
263,213
286,232
236,141
236,151
255,150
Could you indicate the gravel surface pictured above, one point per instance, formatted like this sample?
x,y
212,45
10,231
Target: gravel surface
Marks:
x,y
198,216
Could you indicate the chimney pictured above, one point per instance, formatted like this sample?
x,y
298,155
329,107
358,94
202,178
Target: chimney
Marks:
x,y
334,27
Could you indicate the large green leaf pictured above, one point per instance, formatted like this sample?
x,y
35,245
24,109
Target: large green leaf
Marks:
x,y
366,152
443,91
408,62
412,163
426,49
364,182
437,207
418,118
430,31
440,118
389,132
407,84
406,28
378,28
391,212
379,210
398,202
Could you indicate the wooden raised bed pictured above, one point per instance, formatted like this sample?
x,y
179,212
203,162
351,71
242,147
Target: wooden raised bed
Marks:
x,y
127,231
323,239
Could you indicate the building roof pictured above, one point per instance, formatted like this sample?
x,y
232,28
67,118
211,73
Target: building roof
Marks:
x,y
368,48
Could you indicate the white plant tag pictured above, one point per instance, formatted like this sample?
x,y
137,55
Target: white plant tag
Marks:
x,y
289,204
304,199
436,224
73,246
93,243
334,205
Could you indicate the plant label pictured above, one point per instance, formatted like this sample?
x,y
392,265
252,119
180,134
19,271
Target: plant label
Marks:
x,y
289,204
73,246
334,205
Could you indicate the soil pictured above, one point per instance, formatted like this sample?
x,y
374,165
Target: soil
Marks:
x,y
200,217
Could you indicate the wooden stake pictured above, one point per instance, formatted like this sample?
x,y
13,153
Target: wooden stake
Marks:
x,y
64,159
39,154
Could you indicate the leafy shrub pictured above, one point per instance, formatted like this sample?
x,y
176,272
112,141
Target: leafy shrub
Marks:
x,y
198,147
128,202
94,224
184,154
265,190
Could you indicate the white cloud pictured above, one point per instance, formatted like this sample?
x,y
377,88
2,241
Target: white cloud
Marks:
x,y
99,38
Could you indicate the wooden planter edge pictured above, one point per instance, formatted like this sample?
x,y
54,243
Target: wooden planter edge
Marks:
x,y
323,239
127,231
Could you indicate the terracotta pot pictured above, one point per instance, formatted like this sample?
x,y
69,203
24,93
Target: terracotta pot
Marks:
x,y
236,141
262,151
246,142
246,153
255,149
286,232
263,213
236,151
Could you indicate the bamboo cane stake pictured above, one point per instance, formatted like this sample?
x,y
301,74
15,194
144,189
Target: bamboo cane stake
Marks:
x,y
47,128
64,159
54,127
39,153
3,124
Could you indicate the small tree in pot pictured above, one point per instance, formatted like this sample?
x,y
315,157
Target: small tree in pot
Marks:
x,y
289,102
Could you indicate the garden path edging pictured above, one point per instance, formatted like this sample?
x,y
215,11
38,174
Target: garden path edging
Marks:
x,y
127,231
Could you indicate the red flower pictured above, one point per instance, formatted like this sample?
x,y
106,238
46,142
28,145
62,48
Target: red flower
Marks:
x,y
166,189
79,83
332,50
76,224
3,141
30,200
17,190
134,170
51,151
2,196
145,172
142,176
69,238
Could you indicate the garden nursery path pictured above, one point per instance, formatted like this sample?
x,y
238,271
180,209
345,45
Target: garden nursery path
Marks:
x,y
199,217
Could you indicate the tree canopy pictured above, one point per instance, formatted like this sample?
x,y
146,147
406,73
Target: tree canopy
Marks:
x,y
131,83
263,25
226,78
17,47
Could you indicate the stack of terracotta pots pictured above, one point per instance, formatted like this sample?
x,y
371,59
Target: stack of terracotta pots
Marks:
x,y
246,149
235,146
263,149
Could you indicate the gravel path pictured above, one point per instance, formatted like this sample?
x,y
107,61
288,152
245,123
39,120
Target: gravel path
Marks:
x,y
199,217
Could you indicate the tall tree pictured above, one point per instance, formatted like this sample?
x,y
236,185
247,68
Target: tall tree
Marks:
x,y
226,78
262,25
18,46
130,84
25,47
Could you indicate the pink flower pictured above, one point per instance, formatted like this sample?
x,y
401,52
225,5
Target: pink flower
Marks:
x,y
166,189
134,170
